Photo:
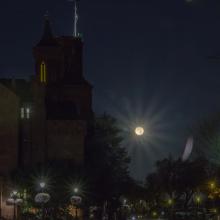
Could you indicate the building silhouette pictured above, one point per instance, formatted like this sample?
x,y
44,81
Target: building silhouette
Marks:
x,y
46,118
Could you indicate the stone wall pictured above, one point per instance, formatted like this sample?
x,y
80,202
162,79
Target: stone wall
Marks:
x,y
65,140
9,130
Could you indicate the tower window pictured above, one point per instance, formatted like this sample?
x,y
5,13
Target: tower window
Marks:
x,y
28,113
22,112
25,113
43,72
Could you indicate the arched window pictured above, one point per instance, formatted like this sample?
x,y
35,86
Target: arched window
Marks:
x,y
43,72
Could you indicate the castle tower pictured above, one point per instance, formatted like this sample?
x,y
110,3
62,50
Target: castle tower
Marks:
x,y
62,98
45,119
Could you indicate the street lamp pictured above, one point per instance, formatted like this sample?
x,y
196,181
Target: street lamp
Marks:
x,y
170,204
14,200
212,185
198,200
76,190
154,214
14,197
42,185
42,198
212,188
76,200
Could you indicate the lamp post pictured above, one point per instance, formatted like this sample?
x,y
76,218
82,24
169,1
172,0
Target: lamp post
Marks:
x,y
14,200
76,200
76,190
198,201
42,198
212,188
42,185
170,204
14,197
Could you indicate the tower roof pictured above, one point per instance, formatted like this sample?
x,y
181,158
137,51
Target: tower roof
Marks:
x,y
47,38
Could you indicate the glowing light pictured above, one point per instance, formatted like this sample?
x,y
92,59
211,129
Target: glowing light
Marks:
x,y
42,198
22,112
137,112
42,185
139,131
212,185
76,190
43,72
170,201
76,200
198,199
215,210
154,214
25,112
28,112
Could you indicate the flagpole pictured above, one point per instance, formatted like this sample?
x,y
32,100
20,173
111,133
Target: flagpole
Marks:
x,y
75,19
75,30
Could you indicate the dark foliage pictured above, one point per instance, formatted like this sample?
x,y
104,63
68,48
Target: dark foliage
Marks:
x,y
107,161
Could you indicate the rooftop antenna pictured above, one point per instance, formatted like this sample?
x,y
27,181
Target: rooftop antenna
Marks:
x,y
76,17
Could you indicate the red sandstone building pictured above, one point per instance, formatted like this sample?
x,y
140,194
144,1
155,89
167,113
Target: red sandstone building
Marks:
x,y
46,118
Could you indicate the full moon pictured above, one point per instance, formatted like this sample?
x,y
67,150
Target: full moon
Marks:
x,y
139,131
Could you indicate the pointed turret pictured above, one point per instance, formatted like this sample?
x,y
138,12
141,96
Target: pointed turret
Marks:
x,y
47,37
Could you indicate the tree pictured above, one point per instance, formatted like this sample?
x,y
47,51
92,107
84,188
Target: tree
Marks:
x,y
207,139
106,160
192,177
176,180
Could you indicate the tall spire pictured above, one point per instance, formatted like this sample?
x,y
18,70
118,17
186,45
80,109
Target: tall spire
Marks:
x,y
47,33
47,37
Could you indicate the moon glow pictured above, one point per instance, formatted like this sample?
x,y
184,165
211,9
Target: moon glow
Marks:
x,y
139,131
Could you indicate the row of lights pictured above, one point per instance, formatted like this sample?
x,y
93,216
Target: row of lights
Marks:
x,y
41,198
170,202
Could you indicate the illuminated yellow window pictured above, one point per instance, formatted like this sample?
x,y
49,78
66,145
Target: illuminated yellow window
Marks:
x,y
43,72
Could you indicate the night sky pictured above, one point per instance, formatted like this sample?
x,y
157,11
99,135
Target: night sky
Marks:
x,y
147,59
